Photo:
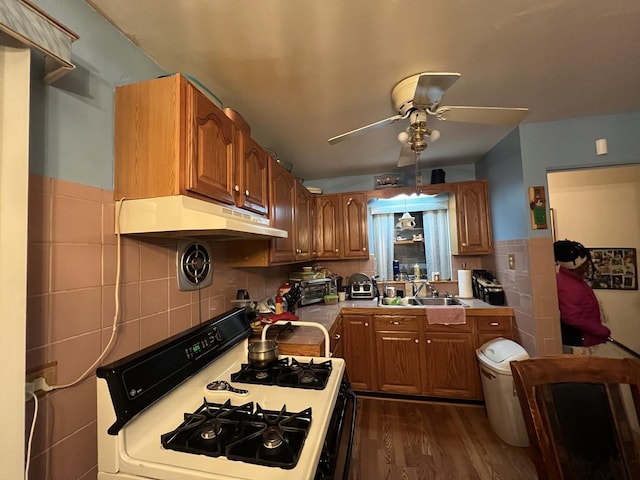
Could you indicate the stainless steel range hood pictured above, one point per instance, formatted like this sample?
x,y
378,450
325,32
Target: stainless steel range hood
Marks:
x,y
182,216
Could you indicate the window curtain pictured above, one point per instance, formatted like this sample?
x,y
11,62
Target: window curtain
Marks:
x,y
383,241
436,242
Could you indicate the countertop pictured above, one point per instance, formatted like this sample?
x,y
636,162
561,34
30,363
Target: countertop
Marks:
x,y
326,316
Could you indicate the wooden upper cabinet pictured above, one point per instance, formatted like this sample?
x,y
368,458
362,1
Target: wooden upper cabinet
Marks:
x,y
290,209
472,219
304,225
210,165
283,188
342,226
354,217
329,234
170,139
253,177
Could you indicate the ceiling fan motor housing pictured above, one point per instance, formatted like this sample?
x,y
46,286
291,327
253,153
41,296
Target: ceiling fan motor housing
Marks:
x,y
428,92
195,269
402,94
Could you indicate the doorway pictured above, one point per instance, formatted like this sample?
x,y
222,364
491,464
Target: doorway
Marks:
x,y
600,208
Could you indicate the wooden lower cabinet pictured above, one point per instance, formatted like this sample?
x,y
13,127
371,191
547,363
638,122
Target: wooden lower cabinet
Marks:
x,y
358,351
403,354
336,339
450,365
491,327
398,360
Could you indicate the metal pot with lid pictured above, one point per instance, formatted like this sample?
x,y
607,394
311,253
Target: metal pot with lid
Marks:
x,y
263,354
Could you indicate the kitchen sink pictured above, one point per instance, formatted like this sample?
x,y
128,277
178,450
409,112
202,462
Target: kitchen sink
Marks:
x,y
420,302
439,301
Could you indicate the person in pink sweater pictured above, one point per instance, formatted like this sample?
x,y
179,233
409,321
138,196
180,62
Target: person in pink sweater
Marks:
x,y
580,319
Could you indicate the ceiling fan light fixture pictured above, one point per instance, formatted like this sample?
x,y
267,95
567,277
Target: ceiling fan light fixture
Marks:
x,y
403,137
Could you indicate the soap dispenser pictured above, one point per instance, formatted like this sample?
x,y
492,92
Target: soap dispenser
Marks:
x,y
416,271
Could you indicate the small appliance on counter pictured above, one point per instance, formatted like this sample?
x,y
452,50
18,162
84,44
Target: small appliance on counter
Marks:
x,y
360,286
311,290
487,288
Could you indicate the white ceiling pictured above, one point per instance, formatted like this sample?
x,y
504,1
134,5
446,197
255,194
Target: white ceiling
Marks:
x,y
302,71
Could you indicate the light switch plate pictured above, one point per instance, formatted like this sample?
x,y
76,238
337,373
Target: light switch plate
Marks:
x,y
512,261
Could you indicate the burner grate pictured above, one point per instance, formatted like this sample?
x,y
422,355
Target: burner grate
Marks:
x,y
263,437
293,374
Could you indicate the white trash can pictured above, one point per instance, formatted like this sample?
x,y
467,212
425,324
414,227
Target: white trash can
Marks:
x,y
501,401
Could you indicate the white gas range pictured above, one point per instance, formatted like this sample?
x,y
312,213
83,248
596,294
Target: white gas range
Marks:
x,y
158,420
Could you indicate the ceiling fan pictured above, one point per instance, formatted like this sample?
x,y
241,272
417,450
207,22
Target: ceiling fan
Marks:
x,y
417,97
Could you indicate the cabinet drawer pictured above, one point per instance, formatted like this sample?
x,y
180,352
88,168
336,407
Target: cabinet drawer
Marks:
x,y
452,327
493,324
396,322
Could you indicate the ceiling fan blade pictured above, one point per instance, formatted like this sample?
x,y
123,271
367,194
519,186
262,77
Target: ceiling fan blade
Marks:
x,y
431,87
485,115
381,123
407,156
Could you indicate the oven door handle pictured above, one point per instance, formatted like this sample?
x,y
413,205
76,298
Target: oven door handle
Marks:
x,y
352,431
327,347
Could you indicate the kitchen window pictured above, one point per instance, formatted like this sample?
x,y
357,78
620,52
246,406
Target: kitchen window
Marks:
x,y
425,241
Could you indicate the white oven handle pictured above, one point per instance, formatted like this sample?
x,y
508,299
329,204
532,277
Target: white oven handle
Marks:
x,y
327,347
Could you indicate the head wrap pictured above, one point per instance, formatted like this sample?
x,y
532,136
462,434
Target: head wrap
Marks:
x,y
570,254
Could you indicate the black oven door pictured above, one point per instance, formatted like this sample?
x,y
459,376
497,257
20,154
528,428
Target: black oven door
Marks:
x,y
336,453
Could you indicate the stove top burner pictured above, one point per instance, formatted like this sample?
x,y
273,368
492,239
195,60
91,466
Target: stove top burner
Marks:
x,y
263,437
272,438
212,431
294,374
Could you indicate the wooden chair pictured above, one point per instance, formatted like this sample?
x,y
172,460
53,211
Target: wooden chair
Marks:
x,y
575,415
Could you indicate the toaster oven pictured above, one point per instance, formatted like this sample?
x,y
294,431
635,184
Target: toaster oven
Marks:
x,y
312,291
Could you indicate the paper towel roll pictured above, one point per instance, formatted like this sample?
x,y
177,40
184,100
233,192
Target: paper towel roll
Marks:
x,y
465,290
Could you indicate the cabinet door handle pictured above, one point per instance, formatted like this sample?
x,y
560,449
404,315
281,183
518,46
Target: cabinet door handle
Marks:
x,y
237,188
364,249
298,250
464,244
495,324
416,340
428,340
337,336
337,250
246,193
394,322
350,200
366,324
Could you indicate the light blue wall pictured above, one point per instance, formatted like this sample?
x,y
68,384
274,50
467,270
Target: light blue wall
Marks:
x,y
502,168
570,144
550,146
71,135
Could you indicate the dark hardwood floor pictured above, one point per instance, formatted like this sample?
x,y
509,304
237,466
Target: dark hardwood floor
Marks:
x,y
415,440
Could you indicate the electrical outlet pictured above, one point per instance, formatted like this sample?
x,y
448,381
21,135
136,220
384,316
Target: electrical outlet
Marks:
x,y
49,372
512,261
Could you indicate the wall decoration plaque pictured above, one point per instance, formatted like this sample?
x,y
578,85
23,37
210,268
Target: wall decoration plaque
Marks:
x,y
538,207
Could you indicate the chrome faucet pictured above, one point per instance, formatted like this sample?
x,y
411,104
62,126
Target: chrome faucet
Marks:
x,y
382,294
416,291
